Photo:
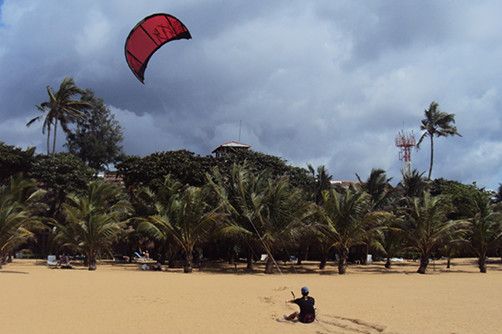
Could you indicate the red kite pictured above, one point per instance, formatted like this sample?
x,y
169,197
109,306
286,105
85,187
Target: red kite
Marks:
x,y
148,36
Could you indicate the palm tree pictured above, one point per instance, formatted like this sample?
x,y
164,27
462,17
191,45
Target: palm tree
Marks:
x,y
94,220
413,184
378,188
18,200
390,238
61,108
281,211
345,219
322,181
426,225
436,124
238,193
185,216
484,230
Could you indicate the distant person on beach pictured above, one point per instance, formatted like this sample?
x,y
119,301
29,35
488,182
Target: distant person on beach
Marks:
x,y
307,310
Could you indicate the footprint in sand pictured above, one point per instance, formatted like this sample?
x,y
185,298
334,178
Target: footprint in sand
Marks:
x,y
267,300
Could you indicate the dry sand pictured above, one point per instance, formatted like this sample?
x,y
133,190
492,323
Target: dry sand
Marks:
x,y
122,299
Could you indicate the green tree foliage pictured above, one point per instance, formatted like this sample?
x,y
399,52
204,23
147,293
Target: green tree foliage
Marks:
x,y
426,225
346,219
462,196
321,182
184,215
413,184
484,229
14,160
237,194
97,136
64,107
189,168
436,124
94,220
150,171
18,202
60,174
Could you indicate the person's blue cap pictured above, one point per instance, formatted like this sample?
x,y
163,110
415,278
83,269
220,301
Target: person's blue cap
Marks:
x,y
305,290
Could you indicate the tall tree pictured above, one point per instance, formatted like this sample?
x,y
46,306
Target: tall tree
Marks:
x,y
94,220
63,107
97,136
436,124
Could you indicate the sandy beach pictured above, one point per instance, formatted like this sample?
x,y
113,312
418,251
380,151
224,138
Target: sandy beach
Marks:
x,y
121,299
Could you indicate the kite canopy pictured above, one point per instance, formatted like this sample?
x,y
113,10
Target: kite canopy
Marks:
x,y
148,36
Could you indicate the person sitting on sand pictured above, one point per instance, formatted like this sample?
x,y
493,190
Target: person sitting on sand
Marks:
x,y
307,310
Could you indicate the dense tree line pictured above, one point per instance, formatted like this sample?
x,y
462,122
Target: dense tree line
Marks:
x,y
186,208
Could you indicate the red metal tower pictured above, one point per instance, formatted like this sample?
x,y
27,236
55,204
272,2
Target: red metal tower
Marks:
x,y
405,141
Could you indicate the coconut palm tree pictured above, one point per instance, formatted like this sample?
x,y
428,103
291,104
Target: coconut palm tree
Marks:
x,y
18,200
238,193
322,181
390,238
281,211
484,230
94,220
185,216
436,124
426,225
345,219
413,184
378,188
62,108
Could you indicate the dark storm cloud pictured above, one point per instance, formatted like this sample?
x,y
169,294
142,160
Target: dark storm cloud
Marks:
x,y
327,82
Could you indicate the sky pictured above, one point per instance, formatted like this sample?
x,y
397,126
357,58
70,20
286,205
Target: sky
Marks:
x,y
320,82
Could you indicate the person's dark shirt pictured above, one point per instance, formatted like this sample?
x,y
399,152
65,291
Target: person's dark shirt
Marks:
x,y
307,311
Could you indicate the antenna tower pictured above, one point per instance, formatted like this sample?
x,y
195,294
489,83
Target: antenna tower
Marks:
x,y
405,141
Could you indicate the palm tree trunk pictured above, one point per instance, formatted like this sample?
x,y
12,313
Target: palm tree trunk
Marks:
x,y
249,266
324,259
269,266
388,263
482,263
424,262
432,157
91,260
448,262
48,139
342,261
54,138
187,268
